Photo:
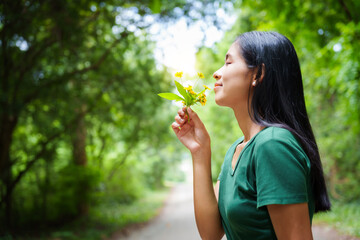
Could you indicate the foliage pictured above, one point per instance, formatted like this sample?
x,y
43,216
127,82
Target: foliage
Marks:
x,y
79,117
105,218
141,210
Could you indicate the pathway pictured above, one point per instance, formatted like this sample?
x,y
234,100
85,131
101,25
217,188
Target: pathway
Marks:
x,y
175,222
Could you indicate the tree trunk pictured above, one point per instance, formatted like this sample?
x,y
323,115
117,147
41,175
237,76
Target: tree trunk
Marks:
x,y
79,142
7,127
79,152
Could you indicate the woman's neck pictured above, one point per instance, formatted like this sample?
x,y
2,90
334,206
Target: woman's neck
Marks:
x,y
248,127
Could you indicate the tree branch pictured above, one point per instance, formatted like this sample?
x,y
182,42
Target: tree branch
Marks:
x,y
102,148
121,162
35,50
67,76
126,154
31,54
346,9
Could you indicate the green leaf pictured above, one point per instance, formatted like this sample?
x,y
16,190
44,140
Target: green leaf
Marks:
x,y
155,6
182,91
171,96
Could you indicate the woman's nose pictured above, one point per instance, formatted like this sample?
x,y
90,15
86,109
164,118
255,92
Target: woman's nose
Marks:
x,y
217,75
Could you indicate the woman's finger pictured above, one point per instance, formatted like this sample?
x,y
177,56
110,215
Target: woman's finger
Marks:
x,y
181,113
176,127
179,120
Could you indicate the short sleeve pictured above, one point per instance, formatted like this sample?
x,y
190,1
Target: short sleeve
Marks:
x,y
282,170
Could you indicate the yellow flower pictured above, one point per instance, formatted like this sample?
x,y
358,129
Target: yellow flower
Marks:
x,y
202,99
206,87
187,96
179,74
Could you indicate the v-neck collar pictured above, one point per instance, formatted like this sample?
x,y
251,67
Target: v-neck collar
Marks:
x,y
240,140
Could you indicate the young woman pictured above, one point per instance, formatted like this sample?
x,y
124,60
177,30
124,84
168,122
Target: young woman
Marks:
x,y
271,180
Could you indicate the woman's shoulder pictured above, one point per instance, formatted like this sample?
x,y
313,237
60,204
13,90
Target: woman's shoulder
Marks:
x,y
275,135
276,144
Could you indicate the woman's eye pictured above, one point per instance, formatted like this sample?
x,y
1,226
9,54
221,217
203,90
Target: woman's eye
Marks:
x,y
227,63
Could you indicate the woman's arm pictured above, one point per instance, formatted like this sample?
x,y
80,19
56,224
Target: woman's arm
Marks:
x,y
194,136
291,221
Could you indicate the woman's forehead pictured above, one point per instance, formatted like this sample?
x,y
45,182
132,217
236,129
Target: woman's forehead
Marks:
x,y
234,51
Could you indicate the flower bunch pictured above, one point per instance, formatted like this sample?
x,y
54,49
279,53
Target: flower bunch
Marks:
x,y
188,96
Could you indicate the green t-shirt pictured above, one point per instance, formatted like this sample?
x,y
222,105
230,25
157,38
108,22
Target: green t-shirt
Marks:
x,y
272,169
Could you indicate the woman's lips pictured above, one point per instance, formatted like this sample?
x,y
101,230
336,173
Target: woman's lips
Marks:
x,y
217,85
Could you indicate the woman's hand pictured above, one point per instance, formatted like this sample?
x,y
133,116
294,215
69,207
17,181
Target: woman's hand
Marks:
x,y
191,131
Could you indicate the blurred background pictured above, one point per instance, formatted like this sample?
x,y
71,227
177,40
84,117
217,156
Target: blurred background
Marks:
x,y
86,146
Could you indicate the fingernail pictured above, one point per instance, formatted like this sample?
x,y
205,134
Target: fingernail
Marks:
x,y
189,110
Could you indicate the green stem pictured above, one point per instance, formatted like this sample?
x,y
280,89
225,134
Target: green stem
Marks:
x,y
187,114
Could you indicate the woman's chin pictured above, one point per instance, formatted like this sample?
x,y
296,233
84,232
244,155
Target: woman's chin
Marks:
x,y
218,101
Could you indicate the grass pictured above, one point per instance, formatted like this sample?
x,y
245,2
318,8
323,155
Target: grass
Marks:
x,y
120,215
105,219
343,216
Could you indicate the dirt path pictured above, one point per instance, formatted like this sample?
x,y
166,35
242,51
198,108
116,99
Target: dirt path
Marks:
x,y
323,232
176,222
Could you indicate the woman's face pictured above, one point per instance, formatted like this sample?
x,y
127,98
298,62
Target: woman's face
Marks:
x,y
233,80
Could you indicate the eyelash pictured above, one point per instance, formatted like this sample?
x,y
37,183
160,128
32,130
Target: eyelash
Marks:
x,y
227,63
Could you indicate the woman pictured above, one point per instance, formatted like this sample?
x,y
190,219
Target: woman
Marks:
x,y
271,180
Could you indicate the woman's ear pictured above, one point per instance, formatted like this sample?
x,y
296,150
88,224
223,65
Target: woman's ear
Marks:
x,y
259,76
261,73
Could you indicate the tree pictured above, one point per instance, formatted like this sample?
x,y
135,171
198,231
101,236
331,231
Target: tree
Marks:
x,y
72,71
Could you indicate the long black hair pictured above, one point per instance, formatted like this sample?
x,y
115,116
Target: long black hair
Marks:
x,y
278,99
